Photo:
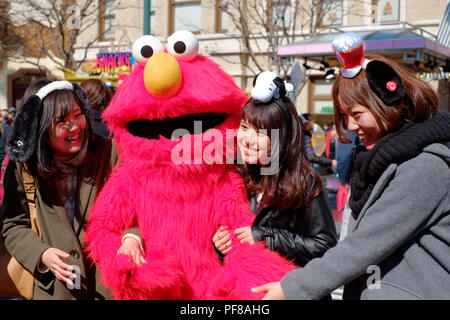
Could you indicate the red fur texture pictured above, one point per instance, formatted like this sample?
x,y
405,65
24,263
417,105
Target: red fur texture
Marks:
x,y
178,207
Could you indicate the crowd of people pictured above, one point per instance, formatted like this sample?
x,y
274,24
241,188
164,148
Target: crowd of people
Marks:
x,y
389,147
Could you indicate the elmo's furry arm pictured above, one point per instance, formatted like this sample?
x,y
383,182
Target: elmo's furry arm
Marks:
x,y
109,217
112,214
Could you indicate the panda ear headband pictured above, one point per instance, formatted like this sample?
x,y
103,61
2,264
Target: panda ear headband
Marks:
x,y
383,80
268,87
22,141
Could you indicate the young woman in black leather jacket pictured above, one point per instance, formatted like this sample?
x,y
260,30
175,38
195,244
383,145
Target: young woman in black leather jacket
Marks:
x,y
293,216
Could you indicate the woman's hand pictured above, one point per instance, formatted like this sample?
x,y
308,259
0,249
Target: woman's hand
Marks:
x,y
131,247
51,258
244,234
222,240
273,289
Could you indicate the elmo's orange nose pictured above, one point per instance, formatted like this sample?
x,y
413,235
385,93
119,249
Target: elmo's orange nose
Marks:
x,y
162,75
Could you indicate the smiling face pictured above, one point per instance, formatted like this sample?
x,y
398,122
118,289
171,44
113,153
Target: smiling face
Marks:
x,y
361,121
357,108
253,144
66,135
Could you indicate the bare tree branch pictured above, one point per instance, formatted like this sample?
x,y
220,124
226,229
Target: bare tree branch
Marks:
x,y
264,25
44,28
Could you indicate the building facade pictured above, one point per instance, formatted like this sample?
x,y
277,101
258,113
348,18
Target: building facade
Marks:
x,y
240,43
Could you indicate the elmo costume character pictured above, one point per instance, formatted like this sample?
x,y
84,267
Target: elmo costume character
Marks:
x,y
171,121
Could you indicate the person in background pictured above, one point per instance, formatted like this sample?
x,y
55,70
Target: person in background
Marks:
x,y
330,150
344,168
3,117
11,114
326,127
99,95
6,125
309,151
113,90
399,230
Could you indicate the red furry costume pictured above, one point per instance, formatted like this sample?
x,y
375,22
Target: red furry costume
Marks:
x,y
178,207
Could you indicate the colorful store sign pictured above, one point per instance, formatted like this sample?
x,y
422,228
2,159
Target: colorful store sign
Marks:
x,y
109,63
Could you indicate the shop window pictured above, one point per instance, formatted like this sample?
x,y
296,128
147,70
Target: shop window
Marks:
x,y
331,13
321,101
222,18
107,19
384,11
152,14
152,21
185,15
19,81
280,12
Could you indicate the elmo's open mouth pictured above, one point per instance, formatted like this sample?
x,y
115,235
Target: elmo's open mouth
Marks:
x,y
152,129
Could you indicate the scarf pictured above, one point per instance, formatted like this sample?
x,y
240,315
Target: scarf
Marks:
x,y
396,147
66,184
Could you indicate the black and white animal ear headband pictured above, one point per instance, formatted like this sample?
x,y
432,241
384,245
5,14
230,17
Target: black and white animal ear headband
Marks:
x,y
383,80
22,141
268,86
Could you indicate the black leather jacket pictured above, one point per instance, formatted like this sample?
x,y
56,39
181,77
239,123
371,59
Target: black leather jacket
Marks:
x,y
301,235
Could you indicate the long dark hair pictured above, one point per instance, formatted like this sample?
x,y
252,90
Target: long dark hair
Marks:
x,y
57,106
98,93
296,181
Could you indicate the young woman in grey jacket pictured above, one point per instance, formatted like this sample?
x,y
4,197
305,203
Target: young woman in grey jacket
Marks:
x,y
399,231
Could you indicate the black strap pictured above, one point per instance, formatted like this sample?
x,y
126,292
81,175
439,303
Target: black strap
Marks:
x,y
83,218
91,282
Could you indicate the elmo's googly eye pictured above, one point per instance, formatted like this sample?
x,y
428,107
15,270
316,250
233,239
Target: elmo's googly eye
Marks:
x,y
183,45
145,47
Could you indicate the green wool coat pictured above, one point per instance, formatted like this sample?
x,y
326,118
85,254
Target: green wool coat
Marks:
x,y
56,231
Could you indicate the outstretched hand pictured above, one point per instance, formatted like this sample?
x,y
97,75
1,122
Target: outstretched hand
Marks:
x,y
273,289
131,247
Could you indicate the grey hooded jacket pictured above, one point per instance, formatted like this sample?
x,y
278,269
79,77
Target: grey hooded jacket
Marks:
x,y
398,247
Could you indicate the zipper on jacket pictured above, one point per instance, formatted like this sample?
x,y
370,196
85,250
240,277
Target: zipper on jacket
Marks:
x,y
268,235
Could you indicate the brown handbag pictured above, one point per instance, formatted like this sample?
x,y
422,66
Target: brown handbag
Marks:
x,y
15,280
